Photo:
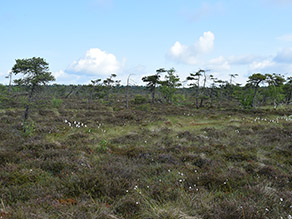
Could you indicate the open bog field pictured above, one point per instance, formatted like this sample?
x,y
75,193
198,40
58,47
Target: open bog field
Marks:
x,y
145,162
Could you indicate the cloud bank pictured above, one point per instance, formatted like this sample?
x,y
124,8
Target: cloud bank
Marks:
x,y
96,62
284,56
285,37
188,54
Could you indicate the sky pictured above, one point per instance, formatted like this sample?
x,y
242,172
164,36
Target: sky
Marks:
x,y
84,40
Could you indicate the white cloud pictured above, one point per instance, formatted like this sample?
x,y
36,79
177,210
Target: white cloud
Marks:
x,y
262,65
224,64
96,62
244,60
279,63
177,49
188,54
218,60
285,37
65,78
219,64
59,74
284,56
206,42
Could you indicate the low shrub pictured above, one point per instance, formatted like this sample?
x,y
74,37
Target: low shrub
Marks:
x,y
139,99
56,103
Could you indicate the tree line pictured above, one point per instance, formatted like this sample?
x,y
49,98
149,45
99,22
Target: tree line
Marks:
x,y
276,89
164,86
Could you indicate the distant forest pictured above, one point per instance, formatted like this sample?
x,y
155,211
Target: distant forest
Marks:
x,y
164,87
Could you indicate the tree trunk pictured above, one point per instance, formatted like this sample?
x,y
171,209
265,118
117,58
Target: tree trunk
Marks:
x,y
71,91
127,97
254,95
197,103
197,98
26,112
10,81
275,104
153,95
289,98
201,102
264,100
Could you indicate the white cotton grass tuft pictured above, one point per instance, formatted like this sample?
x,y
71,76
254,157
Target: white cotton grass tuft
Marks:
x,y
75,124
276,120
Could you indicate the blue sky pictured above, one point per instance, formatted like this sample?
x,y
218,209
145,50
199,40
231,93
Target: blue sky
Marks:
x,y
89,39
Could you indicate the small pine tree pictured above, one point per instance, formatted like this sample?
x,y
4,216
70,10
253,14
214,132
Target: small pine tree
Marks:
x,y
35,72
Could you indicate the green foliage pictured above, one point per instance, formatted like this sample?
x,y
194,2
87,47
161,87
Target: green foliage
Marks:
x,y
169,85
275,80
23,100
144,107
244,97
29,127
4,97
153,81
35,71
110,82
178,98
287,90
108,85
275,87
256,79
102,146
195,77
99,90
2,88
276,93
139,99
200,92
56,103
